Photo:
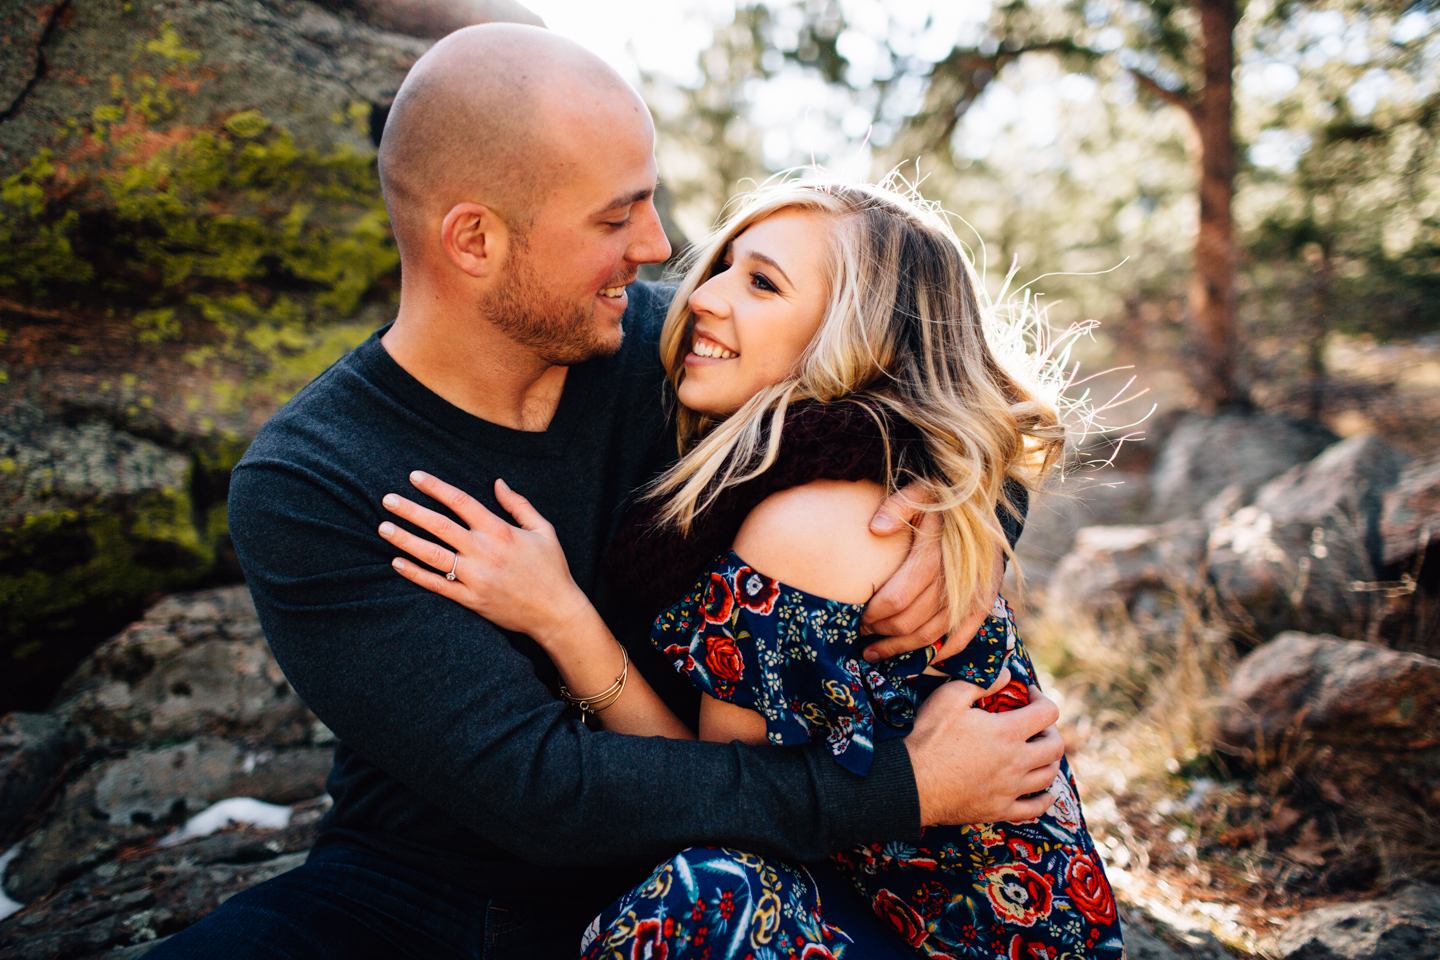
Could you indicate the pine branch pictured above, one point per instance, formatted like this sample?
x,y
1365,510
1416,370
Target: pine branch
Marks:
x,y
1176,98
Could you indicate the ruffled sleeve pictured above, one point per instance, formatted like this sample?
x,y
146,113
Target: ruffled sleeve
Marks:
x,y
794,658
749,640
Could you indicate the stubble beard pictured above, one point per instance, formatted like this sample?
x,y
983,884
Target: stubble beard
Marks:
x,y
561,333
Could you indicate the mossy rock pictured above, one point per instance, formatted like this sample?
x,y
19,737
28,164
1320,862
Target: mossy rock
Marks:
x,y
191,229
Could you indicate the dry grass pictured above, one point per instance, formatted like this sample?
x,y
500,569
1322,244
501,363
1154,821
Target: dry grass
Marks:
x,y
1204,838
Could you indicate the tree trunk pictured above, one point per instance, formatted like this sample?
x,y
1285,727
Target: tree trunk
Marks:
x,y
1213,303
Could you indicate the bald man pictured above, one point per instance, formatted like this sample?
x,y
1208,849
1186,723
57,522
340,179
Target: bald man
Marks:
x,y
474,813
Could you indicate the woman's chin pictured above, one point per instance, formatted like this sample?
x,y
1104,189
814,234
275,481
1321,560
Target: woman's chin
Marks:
x,y
693,397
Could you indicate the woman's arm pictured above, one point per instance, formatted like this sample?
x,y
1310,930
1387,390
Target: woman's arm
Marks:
x,y
815,538
518,579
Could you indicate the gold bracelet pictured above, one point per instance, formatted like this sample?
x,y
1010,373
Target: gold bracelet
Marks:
x,y
612,693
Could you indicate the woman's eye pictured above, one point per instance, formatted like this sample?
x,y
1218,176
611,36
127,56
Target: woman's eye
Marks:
x,y
763,282
719,268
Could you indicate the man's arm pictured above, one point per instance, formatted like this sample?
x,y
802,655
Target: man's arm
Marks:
x,y
439,699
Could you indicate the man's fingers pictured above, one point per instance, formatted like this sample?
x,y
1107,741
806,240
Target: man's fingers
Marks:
x,y
896,513
1027,809
903,604
1039,779
930,632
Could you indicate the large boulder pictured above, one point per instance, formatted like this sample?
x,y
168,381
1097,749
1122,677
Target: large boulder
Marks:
x,y
1085,499
1403,926
1207,455
191,228
1410,521
184,708
195,664
1140,572
1347,693
1307,553
145,794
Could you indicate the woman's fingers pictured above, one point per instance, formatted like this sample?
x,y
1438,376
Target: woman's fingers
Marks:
x,y
450,589
464,506
518,507
418,547
448,530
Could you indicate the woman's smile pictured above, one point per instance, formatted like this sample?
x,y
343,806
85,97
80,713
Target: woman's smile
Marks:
x,y
758,311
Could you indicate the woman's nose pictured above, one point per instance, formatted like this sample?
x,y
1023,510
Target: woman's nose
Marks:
x,y
708,300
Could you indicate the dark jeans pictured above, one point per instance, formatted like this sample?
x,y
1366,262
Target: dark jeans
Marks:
x,y
346,905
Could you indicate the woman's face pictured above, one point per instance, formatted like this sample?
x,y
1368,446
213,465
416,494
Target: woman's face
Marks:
x,y
755,316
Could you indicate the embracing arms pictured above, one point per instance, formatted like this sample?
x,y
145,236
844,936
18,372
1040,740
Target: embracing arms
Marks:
x,y
971,766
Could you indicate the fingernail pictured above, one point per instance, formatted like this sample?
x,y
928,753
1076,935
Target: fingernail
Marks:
x,y
398,564
883,522
417,477
502,483
387,529
871,655
391,500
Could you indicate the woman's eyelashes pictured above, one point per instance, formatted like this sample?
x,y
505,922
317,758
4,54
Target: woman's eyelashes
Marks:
x,y
762,282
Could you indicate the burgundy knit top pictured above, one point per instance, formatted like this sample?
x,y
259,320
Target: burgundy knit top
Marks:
x,y
655,565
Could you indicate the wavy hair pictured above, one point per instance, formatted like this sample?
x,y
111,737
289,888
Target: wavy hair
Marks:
x,y
905,335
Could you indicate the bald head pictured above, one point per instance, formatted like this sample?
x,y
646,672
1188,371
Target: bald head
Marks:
x,y
482,117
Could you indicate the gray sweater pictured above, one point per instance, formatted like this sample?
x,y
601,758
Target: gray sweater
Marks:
x,y
455,755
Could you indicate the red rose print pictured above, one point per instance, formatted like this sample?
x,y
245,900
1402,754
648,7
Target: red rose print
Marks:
x,y
649,942
900,916
1018,894
1023,950
1023,849
717,601
755,591
680,656
723,658
816,951
1012,696
1089,890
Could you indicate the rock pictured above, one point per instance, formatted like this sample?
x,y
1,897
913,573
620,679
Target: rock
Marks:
x,y
1404,926
1147,938
191,229
196,663
1206,454
34,748
1410,521
147,793
129,905
1305,554
1086,499
1140,570
1342,692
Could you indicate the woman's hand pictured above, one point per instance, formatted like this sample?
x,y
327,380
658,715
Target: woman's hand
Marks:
x,y
515,577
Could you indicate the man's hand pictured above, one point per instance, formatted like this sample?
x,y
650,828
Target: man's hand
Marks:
x,y
910,610
972,766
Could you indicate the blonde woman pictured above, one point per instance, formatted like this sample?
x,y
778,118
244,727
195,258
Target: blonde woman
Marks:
x,y
827,347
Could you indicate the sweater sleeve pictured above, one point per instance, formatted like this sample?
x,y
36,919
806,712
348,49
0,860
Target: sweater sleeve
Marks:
x,y
440,700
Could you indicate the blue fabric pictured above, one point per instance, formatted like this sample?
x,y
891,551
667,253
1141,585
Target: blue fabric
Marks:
x,y
794,658
1030,889
345,904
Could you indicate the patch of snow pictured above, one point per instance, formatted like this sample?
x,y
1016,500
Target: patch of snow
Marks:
x,y
8,906
218,816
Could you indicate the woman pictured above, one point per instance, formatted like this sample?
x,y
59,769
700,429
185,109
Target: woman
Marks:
x,y
827,347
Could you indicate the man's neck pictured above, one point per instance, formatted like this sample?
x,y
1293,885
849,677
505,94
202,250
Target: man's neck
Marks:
x,y
477,368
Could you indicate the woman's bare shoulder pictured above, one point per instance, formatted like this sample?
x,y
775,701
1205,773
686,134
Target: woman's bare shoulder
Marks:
x,y
817,538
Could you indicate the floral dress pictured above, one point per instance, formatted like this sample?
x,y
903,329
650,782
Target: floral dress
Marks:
x,y
1009,890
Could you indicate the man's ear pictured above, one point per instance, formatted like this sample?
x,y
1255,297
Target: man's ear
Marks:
x,y
475,239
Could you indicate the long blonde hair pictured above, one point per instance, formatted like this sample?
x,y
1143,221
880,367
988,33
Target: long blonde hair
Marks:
x,y
904,334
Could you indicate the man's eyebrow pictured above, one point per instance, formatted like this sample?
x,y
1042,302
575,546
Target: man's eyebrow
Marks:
x,y
757,255
624,200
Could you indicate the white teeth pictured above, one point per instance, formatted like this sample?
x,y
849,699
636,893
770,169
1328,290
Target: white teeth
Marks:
x,y
704,348
613,292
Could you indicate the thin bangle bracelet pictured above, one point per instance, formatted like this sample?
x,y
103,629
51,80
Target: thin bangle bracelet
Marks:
x,y
612,693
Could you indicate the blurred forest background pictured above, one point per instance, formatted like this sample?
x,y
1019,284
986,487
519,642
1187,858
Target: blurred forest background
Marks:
x,y
1246,196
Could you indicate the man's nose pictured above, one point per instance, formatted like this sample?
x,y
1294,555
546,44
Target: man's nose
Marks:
x,y
650,244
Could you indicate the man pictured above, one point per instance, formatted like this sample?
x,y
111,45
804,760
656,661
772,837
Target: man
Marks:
x,y
474,814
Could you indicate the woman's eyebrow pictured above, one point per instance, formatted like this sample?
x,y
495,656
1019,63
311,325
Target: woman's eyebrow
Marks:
x,y
757,255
